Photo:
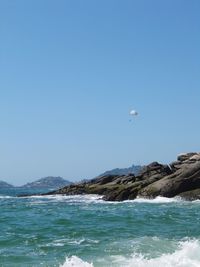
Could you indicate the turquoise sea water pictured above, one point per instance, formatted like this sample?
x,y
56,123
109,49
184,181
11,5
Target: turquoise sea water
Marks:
x,y
87,231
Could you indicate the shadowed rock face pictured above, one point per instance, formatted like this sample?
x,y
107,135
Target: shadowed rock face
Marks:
x,y
180,178
185,177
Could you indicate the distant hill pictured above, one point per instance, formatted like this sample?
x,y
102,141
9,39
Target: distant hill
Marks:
x,y
48,182
5,185
135,169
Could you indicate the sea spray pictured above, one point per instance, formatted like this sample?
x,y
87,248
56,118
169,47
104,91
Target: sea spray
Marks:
x,y
76,262
186,255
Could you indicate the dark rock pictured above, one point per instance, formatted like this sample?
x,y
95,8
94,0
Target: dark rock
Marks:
x,y
154,168
191,195
175,165
185,156
107,179
186,178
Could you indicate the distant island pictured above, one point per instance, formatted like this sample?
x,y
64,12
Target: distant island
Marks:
x,y
134,169
5,185
42,183
48,182
180,178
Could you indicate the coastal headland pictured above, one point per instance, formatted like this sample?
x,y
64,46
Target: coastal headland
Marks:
x,y
179,178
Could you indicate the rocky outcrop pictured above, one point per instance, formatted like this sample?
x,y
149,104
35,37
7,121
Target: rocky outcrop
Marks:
x,y
180,178
190,195
185,177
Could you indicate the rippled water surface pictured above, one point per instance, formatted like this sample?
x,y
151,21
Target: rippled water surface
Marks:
x,y
86,231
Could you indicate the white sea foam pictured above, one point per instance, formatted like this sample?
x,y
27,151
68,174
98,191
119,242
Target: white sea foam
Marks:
x,y
161,200
76,262
76,242
196,201
98,199
186,255
70,198
6,197
83,240
65,241
157,200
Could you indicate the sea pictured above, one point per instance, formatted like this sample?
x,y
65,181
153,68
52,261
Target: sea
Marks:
x,y
85,231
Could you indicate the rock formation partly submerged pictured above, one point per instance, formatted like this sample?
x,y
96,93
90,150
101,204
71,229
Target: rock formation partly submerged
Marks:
x,y
180,178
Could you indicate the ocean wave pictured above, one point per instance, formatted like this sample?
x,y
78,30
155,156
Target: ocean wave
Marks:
x,y
186,255
76,262
157,200
2,197
83,240
66,241
89,199
196,201
98,199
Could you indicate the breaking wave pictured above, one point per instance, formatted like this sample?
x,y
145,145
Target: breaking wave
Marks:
x,y
186,255
76,262
70,198
157,200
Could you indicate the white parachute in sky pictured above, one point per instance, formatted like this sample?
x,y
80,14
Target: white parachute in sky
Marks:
x,y
133,112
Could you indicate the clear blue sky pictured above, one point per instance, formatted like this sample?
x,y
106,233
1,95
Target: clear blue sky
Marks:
x,y
70,72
